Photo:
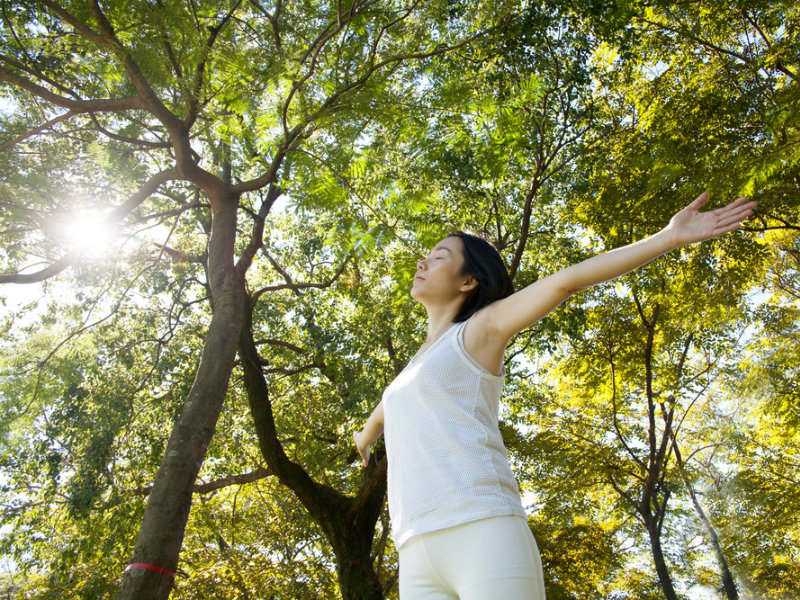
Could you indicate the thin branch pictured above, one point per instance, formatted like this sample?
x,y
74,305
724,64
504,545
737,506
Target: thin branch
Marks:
x,y
299,132
36,73
273,21
615,419
286,371
176,66
114,216
753,22
720,49
178,255
211,486
257,236
291,285
201,66
126,139
620,491
282,344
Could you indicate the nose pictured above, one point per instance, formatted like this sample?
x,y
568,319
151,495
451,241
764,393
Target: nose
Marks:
x,y
421,265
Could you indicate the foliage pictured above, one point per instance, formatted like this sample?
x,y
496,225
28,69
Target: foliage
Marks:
x,y
351,140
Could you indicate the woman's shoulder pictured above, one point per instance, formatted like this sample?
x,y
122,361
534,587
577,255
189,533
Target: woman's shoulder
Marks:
x,y
480,344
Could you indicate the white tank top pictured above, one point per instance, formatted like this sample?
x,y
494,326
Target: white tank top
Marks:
x,y
447,461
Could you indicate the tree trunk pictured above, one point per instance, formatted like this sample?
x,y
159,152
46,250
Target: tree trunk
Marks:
x,y
728,582
357,577
353,543
664,578
348,523
163,525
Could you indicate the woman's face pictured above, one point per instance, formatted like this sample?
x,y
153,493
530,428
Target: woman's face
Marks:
x,y
439,277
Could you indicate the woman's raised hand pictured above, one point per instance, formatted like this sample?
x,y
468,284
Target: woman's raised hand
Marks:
x,y
690,225
363,449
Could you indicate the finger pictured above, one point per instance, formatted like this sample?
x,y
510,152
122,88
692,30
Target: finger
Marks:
x,y
735,214
740,208
731,223
726,225
722,230
736,203
698,202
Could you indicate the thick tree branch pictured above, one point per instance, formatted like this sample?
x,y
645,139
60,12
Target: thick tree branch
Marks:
x,y
79,26
50,271
526,222
347,523
75,106
321,501
177,130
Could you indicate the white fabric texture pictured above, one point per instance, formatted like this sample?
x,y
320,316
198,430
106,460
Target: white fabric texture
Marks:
x,y
480,560
447,461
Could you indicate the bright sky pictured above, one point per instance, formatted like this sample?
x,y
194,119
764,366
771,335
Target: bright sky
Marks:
x,y
86,230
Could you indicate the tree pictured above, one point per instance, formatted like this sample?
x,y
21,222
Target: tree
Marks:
x,y
165,81
275,171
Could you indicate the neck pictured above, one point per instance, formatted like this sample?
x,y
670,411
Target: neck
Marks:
x,y
440,319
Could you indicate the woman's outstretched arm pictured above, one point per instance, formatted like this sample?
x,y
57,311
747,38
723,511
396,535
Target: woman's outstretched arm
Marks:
x,y
502,319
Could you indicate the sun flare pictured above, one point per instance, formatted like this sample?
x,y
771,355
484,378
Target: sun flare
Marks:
x,y
87,232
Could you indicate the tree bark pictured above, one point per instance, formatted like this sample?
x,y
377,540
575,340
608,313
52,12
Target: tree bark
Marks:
x,y
664,578
166,513
650,508
728,582
347,523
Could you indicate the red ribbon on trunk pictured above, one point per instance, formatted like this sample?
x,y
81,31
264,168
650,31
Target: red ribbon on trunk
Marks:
x,y
146,567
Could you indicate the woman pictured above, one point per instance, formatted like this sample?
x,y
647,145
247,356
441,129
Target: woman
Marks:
x,y
457,518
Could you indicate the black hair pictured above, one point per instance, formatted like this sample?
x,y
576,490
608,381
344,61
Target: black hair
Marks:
x,y
483,262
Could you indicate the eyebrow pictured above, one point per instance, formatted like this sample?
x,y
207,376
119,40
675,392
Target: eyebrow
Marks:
x,y
442,248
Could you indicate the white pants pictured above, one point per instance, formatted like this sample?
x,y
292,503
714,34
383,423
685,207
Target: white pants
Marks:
x,y
490,559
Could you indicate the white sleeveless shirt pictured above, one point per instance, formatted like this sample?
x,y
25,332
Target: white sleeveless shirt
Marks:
x,y
447,461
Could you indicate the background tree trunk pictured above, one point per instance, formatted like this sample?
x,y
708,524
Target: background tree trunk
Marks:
x,y
348,523
726,577
664,578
